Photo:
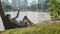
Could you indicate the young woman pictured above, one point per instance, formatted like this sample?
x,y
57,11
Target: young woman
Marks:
x,y
22,23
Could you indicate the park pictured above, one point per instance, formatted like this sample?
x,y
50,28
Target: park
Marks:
x,y
33,21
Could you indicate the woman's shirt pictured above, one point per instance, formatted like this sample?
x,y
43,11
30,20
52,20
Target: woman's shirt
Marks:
x,y
15,22
21,23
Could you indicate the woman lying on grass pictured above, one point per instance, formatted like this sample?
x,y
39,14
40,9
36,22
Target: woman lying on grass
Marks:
x,y
23,23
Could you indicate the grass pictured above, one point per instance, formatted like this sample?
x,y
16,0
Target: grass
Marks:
x,y
37,29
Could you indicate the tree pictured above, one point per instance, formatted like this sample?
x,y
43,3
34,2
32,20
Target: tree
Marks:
x,y
34,7
8,7
6,22
54,9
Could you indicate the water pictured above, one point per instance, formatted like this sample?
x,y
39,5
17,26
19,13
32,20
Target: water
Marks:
x,y
1,25
35,17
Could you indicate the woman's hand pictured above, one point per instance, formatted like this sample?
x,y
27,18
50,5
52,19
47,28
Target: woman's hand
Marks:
x,y
18,9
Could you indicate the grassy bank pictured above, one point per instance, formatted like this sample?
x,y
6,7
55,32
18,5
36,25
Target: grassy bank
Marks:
x,y
37,29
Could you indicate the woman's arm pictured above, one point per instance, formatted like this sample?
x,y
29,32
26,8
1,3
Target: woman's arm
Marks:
x,y
17,15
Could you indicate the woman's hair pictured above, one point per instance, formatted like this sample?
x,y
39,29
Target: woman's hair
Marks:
x,y
8,15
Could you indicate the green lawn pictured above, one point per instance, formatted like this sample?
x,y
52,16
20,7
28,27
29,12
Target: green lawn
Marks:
x,y
37,29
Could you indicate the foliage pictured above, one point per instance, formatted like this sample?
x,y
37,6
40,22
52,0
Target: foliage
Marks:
x,y
34,7
8,6
54,9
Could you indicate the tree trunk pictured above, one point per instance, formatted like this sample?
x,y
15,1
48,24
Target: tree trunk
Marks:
x,y
6,22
